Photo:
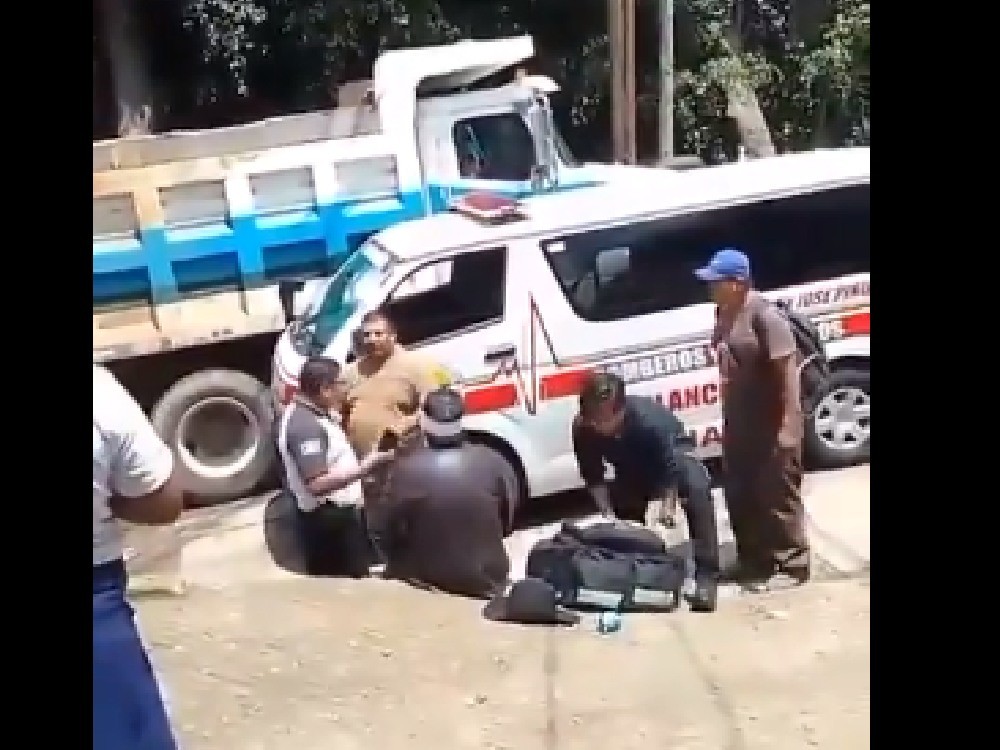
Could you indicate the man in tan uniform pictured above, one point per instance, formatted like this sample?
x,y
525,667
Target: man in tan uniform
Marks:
x,y
385,386
762,443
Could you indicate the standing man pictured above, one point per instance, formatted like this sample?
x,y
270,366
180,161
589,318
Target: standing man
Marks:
x,y
133,481
639,438
759,379
324,474
385,385
448,505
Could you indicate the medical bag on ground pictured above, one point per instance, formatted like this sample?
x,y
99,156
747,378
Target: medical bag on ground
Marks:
x,y
618,537
588,575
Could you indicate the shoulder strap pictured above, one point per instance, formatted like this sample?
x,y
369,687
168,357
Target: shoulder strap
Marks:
x,y
755,324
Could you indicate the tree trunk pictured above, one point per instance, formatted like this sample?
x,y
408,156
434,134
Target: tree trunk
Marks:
x,y
744,106
129,75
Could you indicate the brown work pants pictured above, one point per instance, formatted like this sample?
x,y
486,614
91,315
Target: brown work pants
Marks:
x,y
764,499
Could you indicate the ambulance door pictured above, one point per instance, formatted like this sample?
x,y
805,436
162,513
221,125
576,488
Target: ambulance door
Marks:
x,y
454,309
551,363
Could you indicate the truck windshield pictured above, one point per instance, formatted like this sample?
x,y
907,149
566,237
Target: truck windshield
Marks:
x,y
352,286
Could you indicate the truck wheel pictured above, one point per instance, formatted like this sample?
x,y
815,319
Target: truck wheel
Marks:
x,y
839,431
218,422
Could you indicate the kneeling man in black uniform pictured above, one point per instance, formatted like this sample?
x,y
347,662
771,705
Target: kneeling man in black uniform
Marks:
x,y
641,439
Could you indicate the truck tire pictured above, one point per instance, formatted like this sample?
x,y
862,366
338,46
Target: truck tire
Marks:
x,y
838,432
218,423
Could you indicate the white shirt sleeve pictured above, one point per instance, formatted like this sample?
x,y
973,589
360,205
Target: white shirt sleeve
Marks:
x,y
141,462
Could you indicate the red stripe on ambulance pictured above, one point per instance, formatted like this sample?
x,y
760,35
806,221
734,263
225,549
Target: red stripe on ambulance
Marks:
x,y
858,324
505,395
491,398
559,384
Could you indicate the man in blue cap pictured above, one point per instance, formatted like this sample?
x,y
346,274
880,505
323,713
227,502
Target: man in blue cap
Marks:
x,y
762,443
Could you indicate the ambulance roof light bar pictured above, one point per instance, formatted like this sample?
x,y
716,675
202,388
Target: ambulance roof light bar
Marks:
x,y
488,208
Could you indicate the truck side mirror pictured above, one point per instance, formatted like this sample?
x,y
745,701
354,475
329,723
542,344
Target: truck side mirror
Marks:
x,y
544,174
287,289
541,177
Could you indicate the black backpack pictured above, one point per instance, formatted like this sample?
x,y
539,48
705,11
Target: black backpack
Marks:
x,y
815,367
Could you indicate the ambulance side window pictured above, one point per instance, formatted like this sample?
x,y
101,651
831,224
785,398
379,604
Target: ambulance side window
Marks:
x,y
647,267
450,296
611,274
808,238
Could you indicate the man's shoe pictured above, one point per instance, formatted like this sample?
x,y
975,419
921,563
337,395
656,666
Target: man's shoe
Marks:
x,y
705,594
775,582
782,581
799,575
754,585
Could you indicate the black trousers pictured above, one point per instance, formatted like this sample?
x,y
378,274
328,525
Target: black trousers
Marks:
x,y
630,496
335,541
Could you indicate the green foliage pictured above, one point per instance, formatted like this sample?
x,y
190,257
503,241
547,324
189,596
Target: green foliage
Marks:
x,y
814,90
289,55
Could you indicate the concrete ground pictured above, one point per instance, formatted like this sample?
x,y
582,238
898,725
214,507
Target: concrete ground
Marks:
x,y
257,656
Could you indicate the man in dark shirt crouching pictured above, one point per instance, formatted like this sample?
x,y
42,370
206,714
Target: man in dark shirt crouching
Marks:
x,y
641,439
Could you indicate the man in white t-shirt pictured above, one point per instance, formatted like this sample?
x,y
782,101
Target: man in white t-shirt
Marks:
x,y
133,481
323,474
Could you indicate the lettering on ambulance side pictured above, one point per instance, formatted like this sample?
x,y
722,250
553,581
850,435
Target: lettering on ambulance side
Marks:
x,y
690,397
706,436
854,323
830,295
662,364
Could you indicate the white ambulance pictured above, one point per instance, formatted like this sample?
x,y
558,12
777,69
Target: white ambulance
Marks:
x,y
521,306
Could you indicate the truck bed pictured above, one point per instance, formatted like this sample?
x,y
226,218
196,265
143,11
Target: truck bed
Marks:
x,y
239,208
135,329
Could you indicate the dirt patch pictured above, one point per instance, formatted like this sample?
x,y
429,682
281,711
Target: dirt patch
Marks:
x,y
313,664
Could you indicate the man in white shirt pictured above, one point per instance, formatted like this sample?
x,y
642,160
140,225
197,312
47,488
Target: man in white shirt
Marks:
x,y
324,475
133,481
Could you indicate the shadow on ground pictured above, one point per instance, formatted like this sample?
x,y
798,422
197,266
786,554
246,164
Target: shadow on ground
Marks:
x,y
280,535
282,541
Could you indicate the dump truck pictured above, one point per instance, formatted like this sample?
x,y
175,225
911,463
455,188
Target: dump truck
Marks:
x,y
204,240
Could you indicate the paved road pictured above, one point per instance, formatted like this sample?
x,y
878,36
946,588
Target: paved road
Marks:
x,y
258,657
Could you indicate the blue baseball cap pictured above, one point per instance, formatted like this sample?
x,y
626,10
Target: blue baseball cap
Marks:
x,y
727,263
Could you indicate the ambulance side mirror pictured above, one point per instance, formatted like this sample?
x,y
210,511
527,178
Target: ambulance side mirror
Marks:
x,y
287,289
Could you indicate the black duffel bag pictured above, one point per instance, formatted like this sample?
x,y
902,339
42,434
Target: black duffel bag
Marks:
x,y
588,576
617,537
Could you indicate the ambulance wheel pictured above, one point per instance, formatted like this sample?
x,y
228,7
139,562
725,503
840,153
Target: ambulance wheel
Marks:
x,y
218,423
838,433
506,454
